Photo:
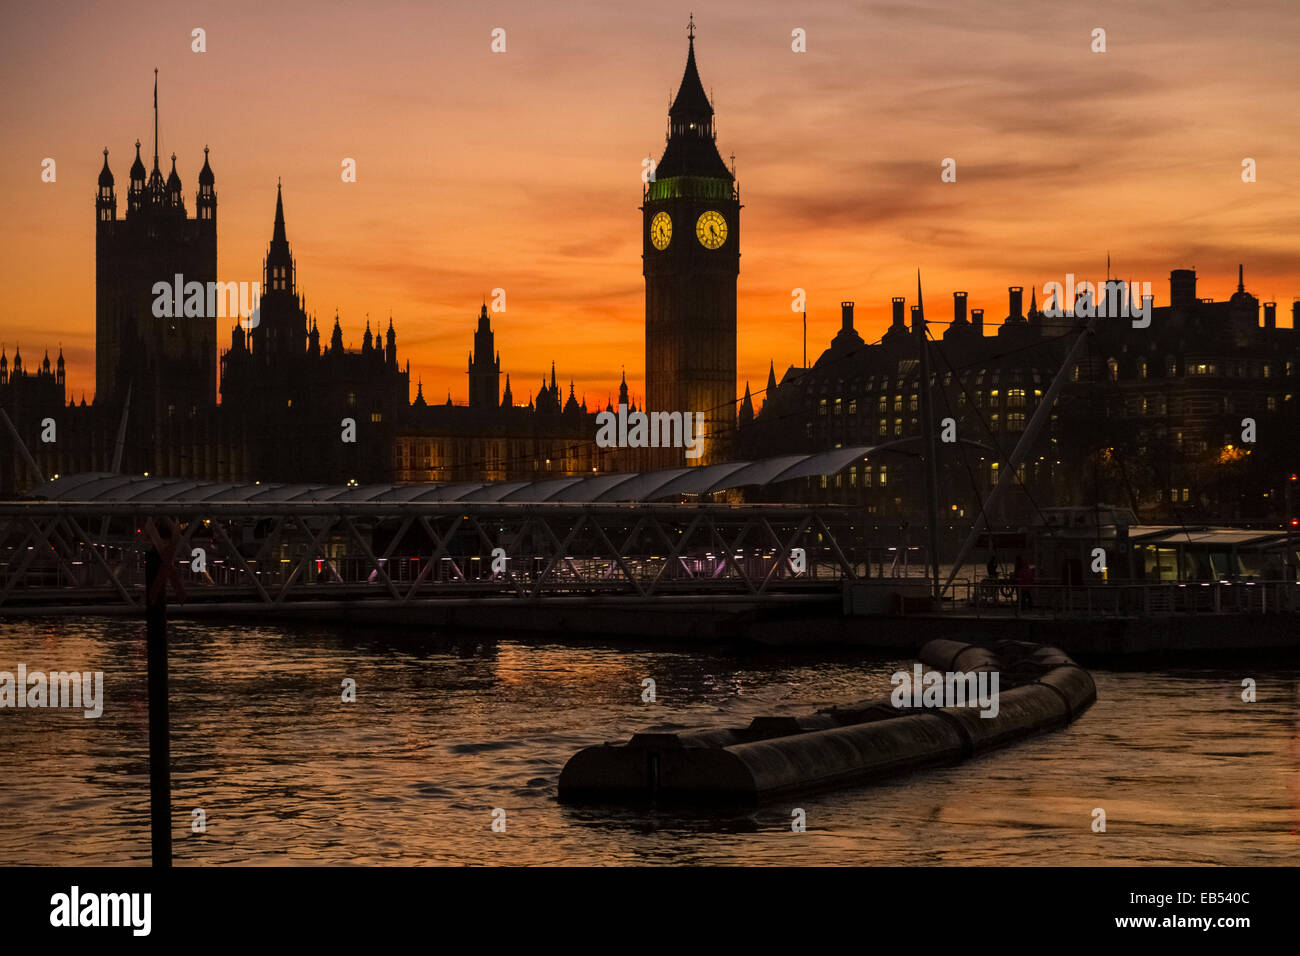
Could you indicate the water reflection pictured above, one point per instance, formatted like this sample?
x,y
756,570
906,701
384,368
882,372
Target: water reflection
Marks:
x,y
449,727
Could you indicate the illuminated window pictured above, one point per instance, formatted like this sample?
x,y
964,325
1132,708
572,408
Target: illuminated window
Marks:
x,y
821,407
1015,398
898,426
884,475
1016,421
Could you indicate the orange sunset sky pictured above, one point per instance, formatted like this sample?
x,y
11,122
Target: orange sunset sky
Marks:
x,y
521,170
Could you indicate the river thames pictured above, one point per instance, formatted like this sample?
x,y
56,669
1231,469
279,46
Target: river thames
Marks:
x,y
447,729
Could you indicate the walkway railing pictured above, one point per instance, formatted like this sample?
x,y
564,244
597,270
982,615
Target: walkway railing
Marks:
x,y
71,553
1001,598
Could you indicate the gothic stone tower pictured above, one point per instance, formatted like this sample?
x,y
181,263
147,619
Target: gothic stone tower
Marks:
x,y
484,369
172,361
691,260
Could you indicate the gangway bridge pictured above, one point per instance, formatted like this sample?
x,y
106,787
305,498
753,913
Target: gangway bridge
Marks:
x,y
628,543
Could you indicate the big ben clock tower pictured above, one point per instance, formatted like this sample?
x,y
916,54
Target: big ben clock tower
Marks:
x,y
691,259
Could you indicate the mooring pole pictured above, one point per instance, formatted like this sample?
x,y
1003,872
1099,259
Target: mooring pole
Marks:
x,y
927,431
160,778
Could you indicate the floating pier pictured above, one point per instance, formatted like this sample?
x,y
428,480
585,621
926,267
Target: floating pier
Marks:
x,y
1041,689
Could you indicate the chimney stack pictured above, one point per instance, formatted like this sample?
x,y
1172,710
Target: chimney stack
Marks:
x,y
916,318
1270,315
977,320
898,301
1295,314
846,316
959,308
1014,295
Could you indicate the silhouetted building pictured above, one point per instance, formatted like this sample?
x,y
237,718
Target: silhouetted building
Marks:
x,y
691,260
1152,417
169,361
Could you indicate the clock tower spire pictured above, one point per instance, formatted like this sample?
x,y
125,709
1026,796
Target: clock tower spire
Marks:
x,y
691,261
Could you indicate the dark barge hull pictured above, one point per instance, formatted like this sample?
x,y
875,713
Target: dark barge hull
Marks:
x,y
844,746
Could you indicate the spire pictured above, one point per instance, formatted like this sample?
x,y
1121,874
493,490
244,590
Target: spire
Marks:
x,y
691,99
137,168
771,378
278,235
691,149
205,174
553,388
155,118
747,408
105,174
336,337
174,181
1241,277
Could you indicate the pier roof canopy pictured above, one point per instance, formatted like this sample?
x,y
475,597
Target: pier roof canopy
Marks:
x,y
665,484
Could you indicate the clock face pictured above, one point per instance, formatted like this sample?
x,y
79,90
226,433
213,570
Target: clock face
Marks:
x,y
661,230
711,229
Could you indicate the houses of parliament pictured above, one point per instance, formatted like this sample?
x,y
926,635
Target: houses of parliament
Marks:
x,y
1150,417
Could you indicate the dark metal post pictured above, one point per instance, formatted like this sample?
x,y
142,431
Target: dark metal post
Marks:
x,y
927,431
160,783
